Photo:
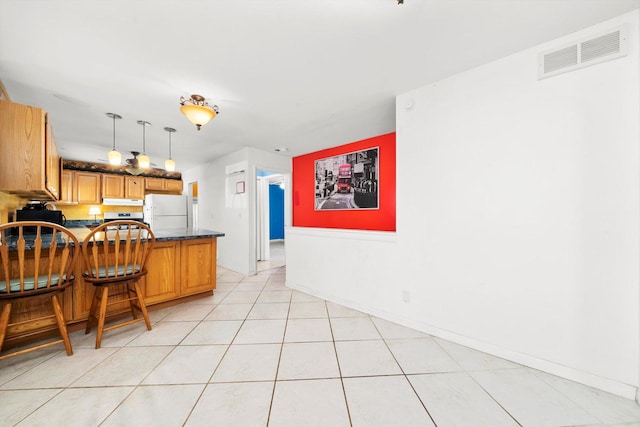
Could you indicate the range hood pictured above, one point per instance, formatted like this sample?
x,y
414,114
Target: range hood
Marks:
x,y
122,202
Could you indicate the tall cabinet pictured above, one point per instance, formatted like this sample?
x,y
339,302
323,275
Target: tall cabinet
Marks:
x,y
31,166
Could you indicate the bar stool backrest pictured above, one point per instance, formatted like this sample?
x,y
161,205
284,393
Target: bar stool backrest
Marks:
x,y
115,255
36,257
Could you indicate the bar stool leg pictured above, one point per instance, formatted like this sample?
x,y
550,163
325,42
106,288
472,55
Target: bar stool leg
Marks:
x,y
93,317
131,292
4,322
57,310
102,315
143,307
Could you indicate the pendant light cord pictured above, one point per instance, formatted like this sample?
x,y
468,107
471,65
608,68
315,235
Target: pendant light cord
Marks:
x,y
114,132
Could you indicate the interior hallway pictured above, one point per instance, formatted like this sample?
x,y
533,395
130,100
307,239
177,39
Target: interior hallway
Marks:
x,y
276,254
257,353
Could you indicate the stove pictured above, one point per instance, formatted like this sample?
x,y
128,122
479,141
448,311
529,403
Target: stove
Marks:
x,y
116,216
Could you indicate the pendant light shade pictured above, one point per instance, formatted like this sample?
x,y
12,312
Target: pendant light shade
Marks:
x,y
170,164
197,110
115,158
114,155
143,160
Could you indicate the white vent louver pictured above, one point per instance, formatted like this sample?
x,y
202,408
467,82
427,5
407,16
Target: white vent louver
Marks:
x,y
583,53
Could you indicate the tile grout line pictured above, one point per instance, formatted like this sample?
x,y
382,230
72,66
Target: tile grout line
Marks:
x,y
335,352
284,334
404,374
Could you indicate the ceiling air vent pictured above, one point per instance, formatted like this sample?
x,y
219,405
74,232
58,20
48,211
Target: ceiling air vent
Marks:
x,y
582,53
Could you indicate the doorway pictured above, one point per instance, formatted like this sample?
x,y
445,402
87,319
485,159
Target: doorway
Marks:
x,y
270,218
192,206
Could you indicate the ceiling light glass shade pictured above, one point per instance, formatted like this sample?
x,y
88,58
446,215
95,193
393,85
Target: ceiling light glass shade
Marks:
x,y
115,157
169,164
198,115
197,110
144,161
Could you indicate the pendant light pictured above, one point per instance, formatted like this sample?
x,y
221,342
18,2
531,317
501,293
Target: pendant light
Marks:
x,y
114,156
170,164
143,160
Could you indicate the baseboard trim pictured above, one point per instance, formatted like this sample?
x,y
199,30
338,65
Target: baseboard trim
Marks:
x,y
605,384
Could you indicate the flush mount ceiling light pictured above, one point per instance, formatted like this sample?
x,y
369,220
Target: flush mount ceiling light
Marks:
x,y
170,164
114,156
197,110
143,161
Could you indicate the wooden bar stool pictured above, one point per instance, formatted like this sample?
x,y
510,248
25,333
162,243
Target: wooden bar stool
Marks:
x,y
114,262
36,258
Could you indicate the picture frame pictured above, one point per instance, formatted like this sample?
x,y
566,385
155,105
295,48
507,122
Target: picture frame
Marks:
x,y
348,181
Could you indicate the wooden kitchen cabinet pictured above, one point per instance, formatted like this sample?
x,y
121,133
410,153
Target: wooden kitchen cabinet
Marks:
x,y
133,187
180,269
53,167
112,186
122,187
163,185
87,188
154,184
30,161
198,266
66,187
173,186
79,187
162,281
175,269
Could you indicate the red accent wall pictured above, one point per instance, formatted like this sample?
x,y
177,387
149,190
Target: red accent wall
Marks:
x,y
382,219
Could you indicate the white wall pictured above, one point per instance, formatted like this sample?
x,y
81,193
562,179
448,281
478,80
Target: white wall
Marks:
x,y
517,219
233,216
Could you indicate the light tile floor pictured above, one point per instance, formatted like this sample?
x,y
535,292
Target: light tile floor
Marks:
x,y
257,353
276,256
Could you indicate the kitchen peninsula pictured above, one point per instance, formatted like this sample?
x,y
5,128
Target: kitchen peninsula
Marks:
x,y
181,267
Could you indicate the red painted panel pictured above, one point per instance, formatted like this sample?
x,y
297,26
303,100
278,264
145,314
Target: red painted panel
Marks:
x,y
382,219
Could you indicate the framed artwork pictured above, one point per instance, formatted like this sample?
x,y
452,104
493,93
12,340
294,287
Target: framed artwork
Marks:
x,y
347,181
239,187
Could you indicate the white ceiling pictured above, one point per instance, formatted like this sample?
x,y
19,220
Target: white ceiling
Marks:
x,y
302,74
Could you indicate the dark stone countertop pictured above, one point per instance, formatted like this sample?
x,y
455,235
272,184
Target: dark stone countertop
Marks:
x,y
162,235
82,232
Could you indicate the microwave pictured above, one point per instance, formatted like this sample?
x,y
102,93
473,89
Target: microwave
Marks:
x,y
40,215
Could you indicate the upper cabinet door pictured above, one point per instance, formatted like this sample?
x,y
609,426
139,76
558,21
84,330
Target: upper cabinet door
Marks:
x,y
154,184
163,185
173,186
26,169
53,165
87,188
66,187
112,186
133,187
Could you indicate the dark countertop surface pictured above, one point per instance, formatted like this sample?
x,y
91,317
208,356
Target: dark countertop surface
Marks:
x,y
82,232
162,235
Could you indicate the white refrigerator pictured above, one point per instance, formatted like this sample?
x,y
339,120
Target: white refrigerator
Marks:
x,y
165,212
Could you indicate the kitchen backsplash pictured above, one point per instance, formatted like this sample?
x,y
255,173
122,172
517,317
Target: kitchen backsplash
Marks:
x,y
8,204
81,212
